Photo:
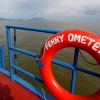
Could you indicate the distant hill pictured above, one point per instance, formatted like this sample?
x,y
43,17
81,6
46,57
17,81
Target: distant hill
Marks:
x,y
19,19
32,19
37,19
5,19
2,19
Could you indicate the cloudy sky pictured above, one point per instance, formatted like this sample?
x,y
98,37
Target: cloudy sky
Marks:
x,y
63,10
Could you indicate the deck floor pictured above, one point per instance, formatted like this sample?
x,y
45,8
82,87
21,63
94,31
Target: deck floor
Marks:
x,y
13,91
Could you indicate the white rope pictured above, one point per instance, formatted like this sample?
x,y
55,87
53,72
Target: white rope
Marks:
x,y
41,59
43,94
43,49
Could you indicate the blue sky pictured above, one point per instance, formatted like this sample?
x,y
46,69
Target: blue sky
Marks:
x,y
63,10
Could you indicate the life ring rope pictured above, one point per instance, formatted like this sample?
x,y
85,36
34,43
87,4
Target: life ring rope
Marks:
x,y
37,58
86,59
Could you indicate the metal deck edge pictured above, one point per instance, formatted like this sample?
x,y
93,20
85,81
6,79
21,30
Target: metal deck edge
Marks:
x,y
27,85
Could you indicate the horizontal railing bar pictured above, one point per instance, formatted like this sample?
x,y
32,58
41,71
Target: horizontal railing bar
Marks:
x,y
27,73
23,51
57,62
63,64
46,30
2,70
35,55
88,72
66,65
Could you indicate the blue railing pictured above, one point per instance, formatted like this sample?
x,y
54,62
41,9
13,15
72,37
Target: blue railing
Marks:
x,y
14,66
2,57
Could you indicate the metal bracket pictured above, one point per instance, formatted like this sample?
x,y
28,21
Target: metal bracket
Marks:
x,y
38,62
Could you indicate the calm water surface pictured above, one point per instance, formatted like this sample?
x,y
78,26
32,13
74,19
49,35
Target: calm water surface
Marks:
x,y
33,41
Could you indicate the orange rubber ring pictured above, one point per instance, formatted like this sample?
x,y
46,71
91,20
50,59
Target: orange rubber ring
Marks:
x,y
81,39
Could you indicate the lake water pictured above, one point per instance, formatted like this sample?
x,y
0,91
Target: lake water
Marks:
x,y
33,41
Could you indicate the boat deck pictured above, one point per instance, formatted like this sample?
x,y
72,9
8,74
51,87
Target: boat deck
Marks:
x,y
8,88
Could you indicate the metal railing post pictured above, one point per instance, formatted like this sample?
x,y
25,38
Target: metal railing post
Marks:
x,y
74,70
15,52
9,52
2,57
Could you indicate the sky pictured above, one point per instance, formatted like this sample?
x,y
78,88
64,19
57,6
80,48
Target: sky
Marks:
x,y
54,10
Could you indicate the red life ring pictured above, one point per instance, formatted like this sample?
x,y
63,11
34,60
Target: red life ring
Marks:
x,y
69,38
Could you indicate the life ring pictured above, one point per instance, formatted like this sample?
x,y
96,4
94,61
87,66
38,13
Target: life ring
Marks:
x,y
81,39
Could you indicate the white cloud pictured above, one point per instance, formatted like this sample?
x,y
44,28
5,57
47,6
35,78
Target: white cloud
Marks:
x,y
11,11
52,12
4,11
50,9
